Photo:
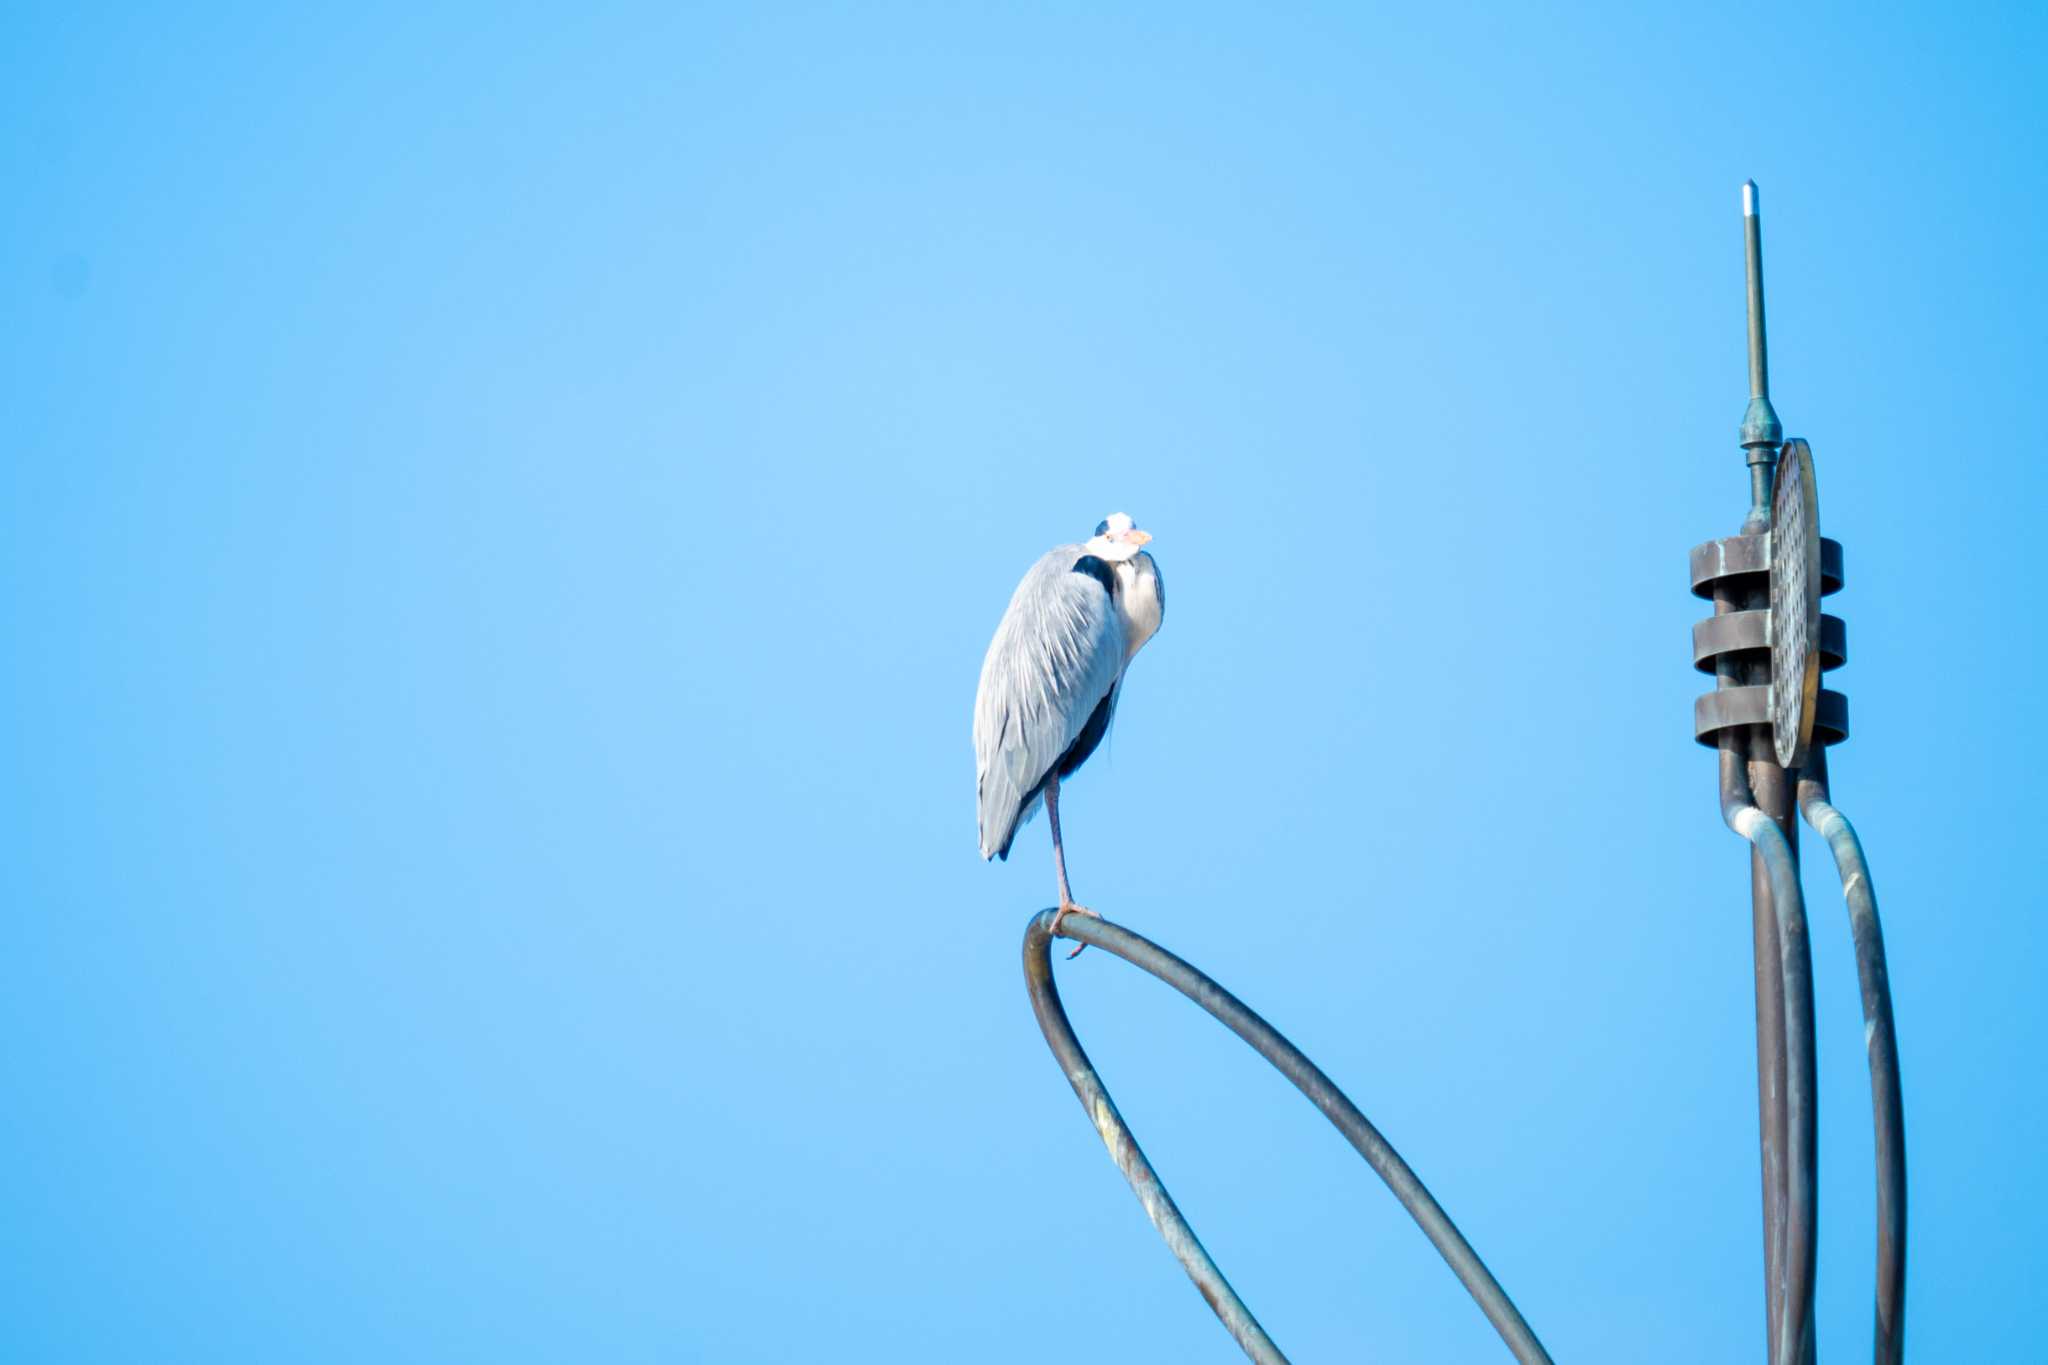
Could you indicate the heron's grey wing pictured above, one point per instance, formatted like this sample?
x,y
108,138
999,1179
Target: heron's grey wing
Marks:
x,y
1055,657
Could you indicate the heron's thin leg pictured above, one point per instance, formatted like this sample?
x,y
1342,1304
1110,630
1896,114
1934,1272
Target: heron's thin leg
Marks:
x,y
1059,857
1059,861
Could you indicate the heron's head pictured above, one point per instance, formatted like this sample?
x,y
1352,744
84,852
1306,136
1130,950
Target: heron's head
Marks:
x,y
1117,539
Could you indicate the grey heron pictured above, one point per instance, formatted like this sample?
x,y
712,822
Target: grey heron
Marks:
x,y
1050,681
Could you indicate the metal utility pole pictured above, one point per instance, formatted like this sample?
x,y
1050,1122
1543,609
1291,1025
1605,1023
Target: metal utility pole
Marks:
x,y
1767,644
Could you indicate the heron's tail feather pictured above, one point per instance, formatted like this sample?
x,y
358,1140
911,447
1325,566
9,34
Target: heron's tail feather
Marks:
x,y
1002,815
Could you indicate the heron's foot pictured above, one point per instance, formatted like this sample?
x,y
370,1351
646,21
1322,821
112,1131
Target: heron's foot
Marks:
x,y
1069,908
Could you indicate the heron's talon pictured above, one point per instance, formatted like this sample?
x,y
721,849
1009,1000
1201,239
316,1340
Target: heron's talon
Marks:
x,y
1069,908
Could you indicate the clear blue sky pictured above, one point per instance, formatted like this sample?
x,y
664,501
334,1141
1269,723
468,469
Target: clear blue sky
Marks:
x,y
501,513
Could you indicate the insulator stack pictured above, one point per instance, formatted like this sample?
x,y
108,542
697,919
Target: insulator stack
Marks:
x,y
1743,564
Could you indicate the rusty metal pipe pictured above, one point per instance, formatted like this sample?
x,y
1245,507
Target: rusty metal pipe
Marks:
x,y
1770,1000
1881,1039
1796,1257
1786,1064
1757,803
1297,1068
1772,792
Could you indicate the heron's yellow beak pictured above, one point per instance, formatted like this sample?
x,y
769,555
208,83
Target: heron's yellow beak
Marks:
x,y
1136,537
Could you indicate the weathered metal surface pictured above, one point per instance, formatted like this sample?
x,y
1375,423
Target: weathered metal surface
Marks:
x,y
1887,1104
1757,803
1124,1150
1796,1243
1741,630
1795,604
1735,556
1715,711
1734,743
1760,432
1797,1234
1297,1068
1760,788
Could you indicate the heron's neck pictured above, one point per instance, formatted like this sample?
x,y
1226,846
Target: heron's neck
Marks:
x,y
1138,604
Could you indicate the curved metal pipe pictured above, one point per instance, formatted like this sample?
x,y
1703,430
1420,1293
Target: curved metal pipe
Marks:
x,y
1796,1256
1881,1037
1124,1150
1289,1061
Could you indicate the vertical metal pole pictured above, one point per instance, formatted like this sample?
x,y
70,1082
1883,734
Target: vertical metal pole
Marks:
x,y
1761,436
1761,432
1772,1133
1789,1241
1770,996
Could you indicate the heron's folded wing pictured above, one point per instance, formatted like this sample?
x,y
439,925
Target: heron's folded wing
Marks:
x,y
1055,656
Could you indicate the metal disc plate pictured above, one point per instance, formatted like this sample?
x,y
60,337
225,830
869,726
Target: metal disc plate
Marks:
x,y
1795,604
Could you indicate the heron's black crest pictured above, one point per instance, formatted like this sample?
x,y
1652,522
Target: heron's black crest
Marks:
x,y
1099,571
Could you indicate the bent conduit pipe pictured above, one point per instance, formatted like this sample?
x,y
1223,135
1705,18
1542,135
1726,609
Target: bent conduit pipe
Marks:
x,y
1796,1252
1307,1078
1881,1039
